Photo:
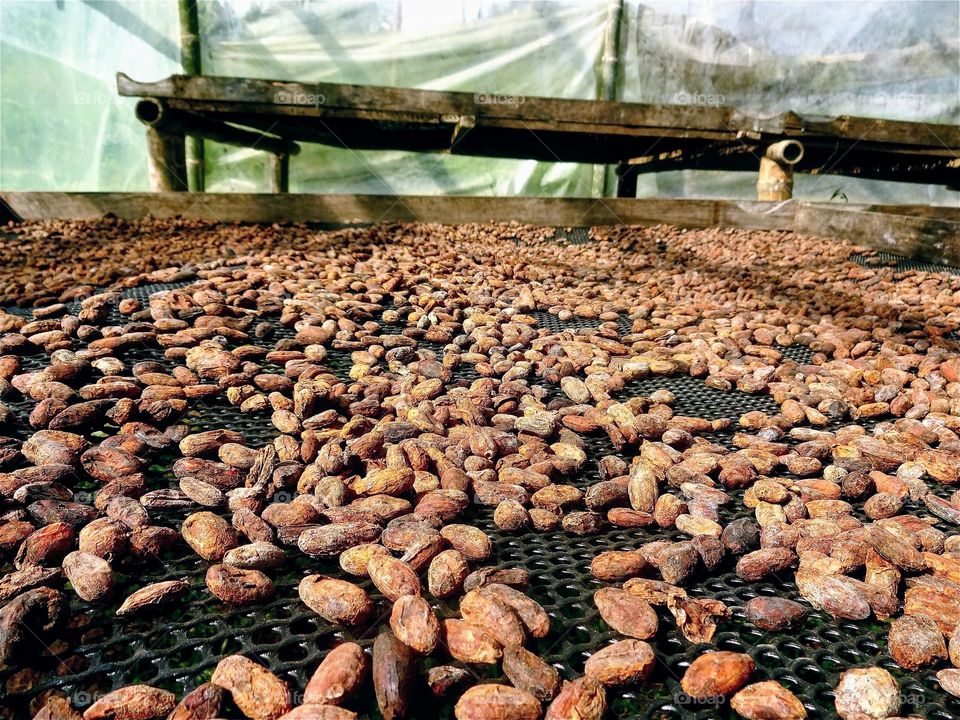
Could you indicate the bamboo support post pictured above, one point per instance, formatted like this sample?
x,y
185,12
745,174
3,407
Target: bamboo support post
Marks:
x,y
167,130
166,160
775,179
609,74
190,61
166,150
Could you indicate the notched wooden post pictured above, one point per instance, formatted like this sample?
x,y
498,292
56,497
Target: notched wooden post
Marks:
x,y
627,181
775,181
279,172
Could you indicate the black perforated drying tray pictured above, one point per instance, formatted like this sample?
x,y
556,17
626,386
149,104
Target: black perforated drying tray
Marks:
x,y
179,649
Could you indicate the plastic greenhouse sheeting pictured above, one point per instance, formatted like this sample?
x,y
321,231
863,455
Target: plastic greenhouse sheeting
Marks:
x,y
893,60
62,125
515,49
64,128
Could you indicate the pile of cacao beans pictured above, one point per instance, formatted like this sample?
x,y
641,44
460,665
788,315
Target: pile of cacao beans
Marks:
x,y
458,401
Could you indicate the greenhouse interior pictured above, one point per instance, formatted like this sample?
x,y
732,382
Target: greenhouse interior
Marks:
x,y
479,359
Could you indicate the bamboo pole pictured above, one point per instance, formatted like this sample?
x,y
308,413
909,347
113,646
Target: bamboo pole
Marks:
x,y
190,59
609,72
775,179
156,114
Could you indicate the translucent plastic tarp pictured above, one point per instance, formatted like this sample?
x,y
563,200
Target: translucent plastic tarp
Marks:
x,y
64,128
511,48
894,60
62,125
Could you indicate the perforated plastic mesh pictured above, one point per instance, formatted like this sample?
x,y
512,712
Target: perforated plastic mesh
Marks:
x,y
903,264
21,311
178,649
553,323
575,235
800,354
143,292
20,405
884,259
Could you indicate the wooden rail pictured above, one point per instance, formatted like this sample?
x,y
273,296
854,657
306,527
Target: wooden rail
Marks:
x,y
922,232
638,138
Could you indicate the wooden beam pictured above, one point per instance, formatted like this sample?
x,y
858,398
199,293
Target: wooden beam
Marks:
x,y
279,173
7,214
926,232
318,98
341,209
943,212
923,231
626,181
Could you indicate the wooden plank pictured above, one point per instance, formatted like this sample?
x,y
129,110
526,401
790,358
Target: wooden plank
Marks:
x,y
7,214
755,215
635,131
263,113
310,97
241,112
934,135
243,207
917,231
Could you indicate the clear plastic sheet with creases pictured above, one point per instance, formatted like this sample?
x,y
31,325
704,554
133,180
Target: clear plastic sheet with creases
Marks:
x,y
65,129
62,125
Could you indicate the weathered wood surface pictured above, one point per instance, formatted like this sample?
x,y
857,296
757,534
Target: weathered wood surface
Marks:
x,y
821,157
653,137
922,231
243,207
318,97
944,212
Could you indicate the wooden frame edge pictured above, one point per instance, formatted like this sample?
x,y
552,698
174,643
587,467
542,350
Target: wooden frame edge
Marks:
x,y
925,232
